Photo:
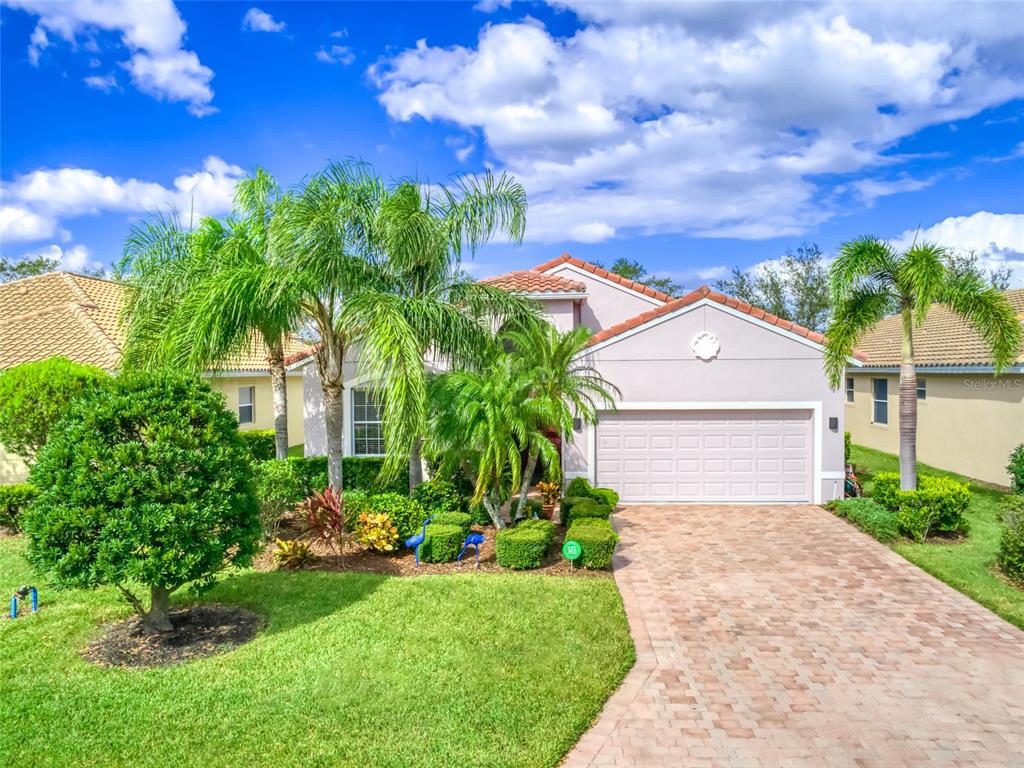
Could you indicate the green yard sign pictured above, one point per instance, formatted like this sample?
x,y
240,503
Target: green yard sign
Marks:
x,y
571,550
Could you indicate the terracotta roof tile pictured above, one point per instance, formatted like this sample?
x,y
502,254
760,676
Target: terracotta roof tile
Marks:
x,y
565,258
60,313
531,281
943,339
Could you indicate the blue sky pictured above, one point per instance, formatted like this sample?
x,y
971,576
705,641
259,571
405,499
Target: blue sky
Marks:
x,y
692,137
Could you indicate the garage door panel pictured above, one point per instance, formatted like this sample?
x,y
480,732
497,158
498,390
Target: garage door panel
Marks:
x,y
706,455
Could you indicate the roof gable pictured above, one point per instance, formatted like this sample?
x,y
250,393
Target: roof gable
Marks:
x,y
566,260
532,282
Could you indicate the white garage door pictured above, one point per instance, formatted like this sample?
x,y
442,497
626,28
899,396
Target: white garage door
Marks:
x,y
708,456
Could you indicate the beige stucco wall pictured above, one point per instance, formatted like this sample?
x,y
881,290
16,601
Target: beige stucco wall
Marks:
x,y
12,468
966,424
607,304
264,410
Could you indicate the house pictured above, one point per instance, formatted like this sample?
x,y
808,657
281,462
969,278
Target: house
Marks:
x,y
721,401
968,419
69,315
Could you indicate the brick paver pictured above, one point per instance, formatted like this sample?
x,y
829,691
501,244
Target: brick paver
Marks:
x,y
780,636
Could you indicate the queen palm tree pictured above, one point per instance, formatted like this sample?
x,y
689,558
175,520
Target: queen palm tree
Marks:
x,y
560,375
870,278
424,306
199,297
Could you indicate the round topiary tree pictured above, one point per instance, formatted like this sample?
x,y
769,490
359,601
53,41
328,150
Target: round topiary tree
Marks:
x,y
144,481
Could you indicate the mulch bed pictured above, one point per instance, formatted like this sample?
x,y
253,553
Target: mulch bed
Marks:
x,y
199,631
403,561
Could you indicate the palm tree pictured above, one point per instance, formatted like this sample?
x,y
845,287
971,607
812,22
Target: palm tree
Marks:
x,y
484,421
552,360
870,278
197,298
425,307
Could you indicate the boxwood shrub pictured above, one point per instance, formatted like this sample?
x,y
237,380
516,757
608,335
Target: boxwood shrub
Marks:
x,y
938,505
597,540
442,543
1011,542
524,547
260,443
871,517
358,473
14,499
887,485
460,519
479,515
588,508
566,504
605,496
439,495
578,486
405,513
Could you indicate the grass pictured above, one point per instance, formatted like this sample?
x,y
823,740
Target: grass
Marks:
x,y
351,670
968,565
297,450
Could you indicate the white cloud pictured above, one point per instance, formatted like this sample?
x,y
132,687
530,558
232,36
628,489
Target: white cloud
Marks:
x,y
20,223
152,31
704,119
336,54
591,232
105,83
260,21
74,259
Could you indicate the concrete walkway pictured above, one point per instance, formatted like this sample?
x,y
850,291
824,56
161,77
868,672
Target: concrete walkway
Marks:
x,y
781,636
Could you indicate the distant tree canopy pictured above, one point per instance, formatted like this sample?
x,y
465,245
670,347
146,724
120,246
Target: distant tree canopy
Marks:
x,y
631,269
967,264
16,269
795,287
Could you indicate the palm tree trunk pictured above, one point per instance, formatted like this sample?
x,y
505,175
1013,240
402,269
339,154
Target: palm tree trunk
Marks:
x,y
524,486
494,510
908,406
416,464
329,359
279,387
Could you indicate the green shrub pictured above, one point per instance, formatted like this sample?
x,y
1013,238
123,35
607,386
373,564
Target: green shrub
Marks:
x,y
279,489
846,447
311,471
871,517
376,532
260,443
14,500
916,520
532,508
439,495
565,506
442,543
292,553
359,473
354,504
597,542
1011,542
1016,468
480,516
605,496
405,513
460,519
938,505
588,508
593,522
579,486
145,480
524,547
887,486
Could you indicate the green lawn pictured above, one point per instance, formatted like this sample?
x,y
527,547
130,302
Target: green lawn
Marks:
x,y
352,670
968,566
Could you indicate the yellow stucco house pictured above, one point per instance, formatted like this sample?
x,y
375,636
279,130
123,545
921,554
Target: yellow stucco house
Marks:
x,y
968,419
69,315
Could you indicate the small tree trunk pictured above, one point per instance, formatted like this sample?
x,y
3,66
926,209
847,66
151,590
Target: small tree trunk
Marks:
x,y
329,359
524,486
908,406
157,618
416,464
494,510
279,387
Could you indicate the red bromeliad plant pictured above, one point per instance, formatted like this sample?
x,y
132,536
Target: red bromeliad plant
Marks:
x,y
323,516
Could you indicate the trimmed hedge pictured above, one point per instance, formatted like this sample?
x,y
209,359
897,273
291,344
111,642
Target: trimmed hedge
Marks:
x,y
579,486
587,508
460,519
524,547
358,473
871,517
566,504
260,443
439,495
887,485
938,505
405,513
479,516
14,499
442,543
605,496
597,540
1011,542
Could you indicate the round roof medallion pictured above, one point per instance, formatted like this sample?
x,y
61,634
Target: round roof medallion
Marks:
x,y
706,346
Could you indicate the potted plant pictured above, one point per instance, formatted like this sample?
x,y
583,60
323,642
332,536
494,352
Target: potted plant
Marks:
x,y
550,493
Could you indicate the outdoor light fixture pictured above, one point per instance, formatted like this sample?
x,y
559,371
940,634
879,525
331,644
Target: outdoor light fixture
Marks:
x,y
833,423
577,424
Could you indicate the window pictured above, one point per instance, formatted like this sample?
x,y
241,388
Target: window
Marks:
x,y
367,430
246,405
849,389
922,389
880,394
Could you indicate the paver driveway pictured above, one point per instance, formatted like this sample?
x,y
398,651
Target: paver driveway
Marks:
x,y
781,636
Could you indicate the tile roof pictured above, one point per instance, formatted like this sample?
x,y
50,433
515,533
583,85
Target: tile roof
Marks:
x,y
944,338
61,313
704,292
532,281
565,258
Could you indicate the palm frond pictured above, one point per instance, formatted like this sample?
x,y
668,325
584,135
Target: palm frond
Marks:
x,y
988,311
859,309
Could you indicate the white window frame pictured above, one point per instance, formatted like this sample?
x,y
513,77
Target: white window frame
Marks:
x,y
922,388
251,405
849,389
363,422
875,402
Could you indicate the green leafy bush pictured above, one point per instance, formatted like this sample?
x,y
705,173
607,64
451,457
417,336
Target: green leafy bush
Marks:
x,y
14,500
938,505
1016,468
145,480
376,532
405,513
605,496
532,508
594,522
35,396
887,486
916,520
565,506
479,516
588,508
359,473
442,543
292,553
871,517
524,547
846,447
1011,541
260,443
354,504
279,489
578,486
460,519
597,542
439,495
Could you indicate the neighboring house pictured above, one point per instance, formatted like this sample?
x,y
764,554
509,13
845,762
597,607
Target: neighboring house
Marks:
x,y
721,402
69,315
968,419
